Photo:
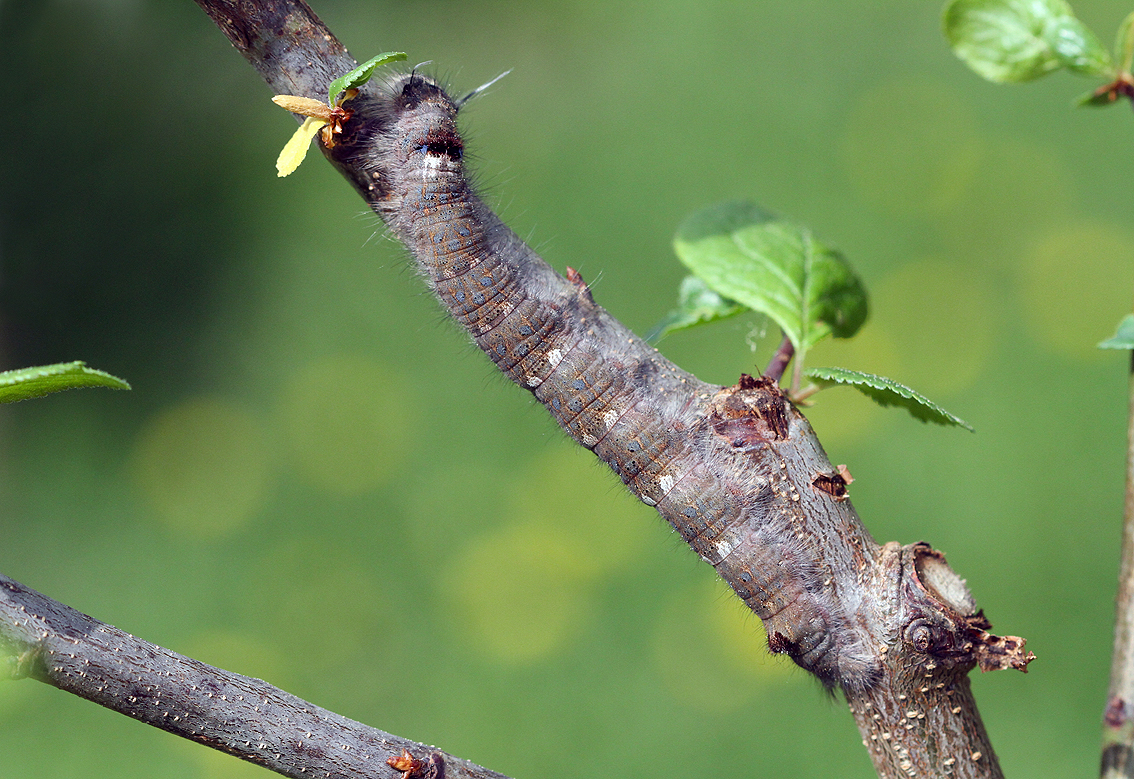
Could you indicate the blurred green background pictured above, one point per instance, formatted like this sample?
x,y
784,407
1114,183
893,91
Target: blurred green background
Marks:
x,y
422,550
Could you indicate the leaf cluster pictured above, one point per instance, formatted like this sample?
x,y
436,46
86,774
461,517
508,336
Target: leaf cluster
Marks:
x,y
744,258
1012,41
327,118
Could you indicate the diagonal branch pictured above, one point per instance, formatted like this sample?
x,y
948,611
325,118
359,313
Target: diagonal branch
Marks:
x,y
245,717
736,470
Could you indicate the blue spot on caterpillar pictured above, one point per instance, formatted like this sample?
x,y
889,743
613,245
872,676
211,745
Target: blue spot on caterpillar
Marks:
x,y
719,463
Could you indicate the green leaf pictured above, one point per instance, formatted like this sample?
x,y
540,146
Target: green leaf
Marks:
x,y
361,74
886,392
1019,40
746,255
35,382
696,304
1124,44
1123,338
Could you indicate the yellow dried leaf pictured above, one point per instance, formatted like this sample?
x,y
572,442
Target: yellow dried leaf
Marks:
x,y
296,149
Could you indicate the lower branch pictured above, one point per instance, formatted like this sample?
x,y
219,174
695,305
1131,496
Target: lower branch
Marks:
x,y
242,716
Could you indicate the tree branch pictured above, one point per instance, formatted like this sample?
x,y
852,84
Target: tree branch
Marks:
x,y
1118,718
242,716
736,470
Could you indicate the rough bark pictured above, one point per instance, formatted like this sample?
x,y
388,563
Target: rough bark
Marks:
x,y
242,716
737,470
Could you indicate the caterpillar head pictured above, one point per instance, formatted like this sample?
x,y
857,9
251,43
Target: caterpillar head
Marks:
x,y
405,132
424,123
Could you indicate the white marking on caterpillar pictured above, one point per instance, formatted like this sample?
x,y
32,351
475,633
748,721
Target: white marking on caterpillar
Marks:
x,y
432,165
609,418
726,545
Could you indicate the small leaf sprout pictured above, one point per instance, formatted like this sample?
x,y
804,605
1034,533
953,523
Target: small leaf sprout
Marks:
x,y
325,118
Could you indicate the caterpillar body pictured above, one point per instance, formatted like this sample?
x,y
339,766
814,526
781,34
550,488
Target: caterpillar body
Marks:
x,y
721,464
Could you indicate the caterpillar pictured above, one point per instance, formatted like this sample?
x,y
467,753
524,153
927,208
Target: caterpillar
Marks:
x,y
720,464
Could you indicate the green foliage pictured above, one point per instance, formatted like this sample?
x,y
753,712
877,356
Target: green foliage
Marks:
x,y
43,380
1020,40
326,118
696,305
746,255
1123,338
1124,44
887,392
361,74
1123,83
742,257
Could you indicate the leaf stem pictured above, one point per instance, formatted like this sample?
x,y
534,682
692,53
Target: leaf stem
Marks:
x,y
797,373
799,398
780,360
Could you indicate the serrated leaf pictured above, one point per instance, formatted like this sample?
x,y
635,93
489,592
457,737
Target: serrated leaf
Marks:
x,y
295,150
361,74
887,392
747,255
27,383
1019,40
1123,338
696,305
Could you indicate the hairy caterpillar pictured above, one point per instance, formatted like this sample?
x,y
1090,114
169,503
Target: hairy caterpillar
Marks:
x,y
721,464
